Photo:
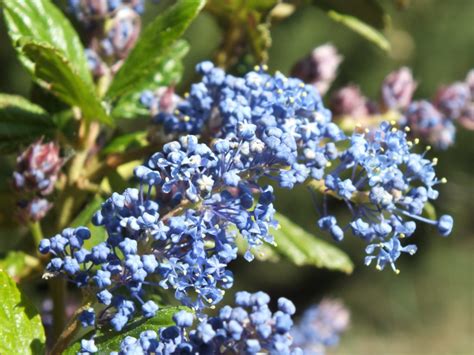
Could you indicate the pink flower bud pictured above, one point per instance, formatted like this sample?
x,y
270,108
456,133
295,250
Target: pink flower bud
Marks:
x,y
467,117
123,31
349,101
470,82
452,99
37,168
398,88
319,68
34,210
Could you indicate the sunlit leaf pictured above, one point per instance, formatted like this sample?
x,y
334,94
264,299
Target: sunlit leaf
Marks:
x,y
21,330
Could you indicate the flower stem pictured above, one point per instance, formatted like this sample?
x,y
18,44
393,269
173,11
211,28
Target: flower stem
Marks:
x,y
36,232
69,331
57,288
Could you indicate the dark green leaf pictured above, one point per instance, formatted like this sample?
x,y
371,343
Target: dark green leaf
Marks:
x,y
109,340
21,331
168,72
42,21
153,45
361,28
18,264
302,248
55,73
368,11
122,143
21,122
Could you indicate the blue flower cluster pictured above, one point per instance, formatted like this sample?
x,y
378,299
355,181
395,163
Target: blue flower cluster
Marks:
x,y
320,327
385,185
177,229
248,328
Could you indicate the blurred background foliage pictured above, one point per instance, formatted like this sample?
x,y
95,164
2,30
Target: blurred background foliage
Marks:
x,y
429,307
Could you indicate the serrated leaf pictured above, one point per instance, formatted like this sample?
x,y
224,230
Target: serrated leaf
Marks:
x,y
168,72
109,340
21,122
18,264
302,248
54,72
21,331
42,21
368,11
121,143
152,46
365,30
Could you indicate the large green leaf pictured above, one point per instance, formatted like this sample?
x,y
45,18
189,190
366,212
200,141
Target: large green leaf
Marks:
x,y
109,340
21,331
302,248
54,72
17,264
21,122
42,21
168,72
153,45
366,17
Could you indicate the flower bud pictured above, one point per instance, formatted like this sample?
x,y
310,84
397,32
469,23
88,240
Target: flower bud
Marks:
x,y
467,117
163,100
95,63
349,101
398,88
122,33
470,82
34,210
452,99
319,68
37,168
427,122
88,10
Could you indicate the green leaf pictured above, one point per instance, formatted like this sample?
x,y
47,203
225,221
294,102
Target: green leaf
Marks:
x,y
168,72
302,248
368,11
42,21
21,331
121,143
152,46
55,73
21,122
361,28
18,264
109,340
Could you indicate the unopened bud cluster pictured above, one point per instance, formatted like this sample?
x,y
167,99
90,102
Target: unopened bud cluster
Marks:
x,y
34,178
319,68
113,27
